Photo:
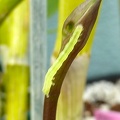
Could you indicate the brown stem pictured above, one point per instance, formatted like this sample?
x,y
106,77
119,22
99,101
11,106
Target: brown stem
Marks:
x,y
88,20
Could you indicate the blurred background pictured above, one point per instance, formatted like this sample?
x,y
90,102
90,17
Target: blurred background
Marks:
x,y
28,32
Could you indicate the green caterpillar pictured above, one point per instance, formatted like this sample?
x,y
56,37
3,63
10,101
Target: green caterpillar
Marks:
x,y
49,78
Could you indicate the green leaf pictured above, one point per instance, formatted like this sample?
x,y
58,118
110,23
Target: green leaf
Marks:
x,y
6,6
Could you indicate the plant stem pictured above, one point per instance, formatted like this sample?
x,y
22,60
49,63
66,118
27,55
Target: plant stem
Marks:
x,y
37,56
87,20
14,35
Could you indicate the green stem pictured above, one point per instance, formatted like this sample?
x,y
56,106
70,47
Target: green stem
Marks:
x,y
14,35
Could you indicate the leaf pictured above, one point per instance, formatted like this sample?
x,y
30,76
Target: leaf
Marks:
x,y
6,6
